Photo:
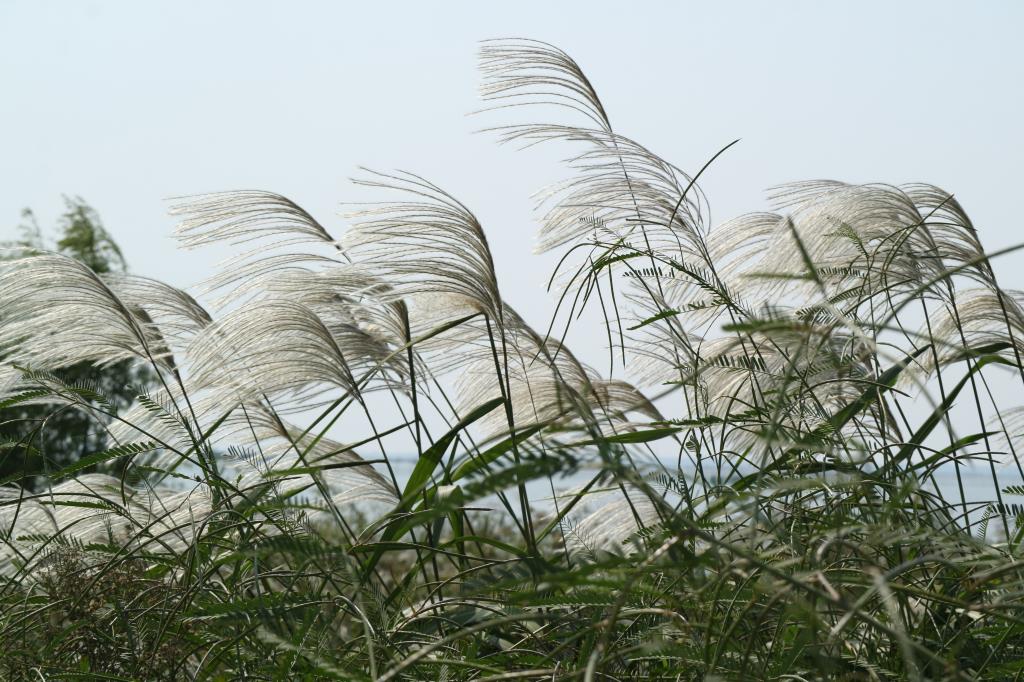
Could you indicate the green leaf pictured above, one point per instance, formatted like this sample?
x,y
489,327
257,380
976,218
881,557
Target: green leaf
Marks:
x,y
474,464
421,475
484,540
431,457
106,455
22,397
606,260
428,461
654,318
886,380
564,511
243,607
632,437
936,416
942,454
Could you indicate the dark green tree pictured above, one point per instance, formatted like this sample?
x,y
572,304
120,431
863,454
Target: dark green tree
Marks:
x,y
40,439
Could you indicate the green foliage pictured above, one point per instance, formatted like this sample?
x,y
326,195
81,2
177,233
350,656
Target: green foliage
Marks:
x,y
799,514
40,439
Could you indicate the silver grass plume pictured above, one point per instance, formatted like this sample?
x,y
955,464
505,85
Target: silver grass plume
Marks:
x,y
239,217
95,508
427,242
57,312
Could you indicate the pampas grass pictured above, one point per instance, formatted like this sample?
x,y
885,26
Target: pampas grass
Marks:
x,y
772,487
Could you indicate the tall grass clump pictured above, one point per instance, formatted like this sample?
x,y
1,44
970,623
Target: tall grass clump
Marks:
x,y
801,462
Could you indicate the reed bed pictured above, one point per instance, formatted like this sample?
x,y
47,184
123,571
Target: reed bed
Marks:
x,y
775,476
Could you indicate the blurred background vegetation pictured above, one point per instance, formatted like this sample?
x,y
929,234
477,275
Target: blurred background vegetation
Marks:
x,y
40,439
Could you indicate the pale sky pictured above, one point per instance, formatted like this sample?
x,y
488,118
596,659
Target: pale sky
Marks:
x,y
128,103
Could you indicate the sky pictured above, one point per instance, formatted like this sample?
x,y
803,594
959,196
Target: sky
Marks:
x,y
129,103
